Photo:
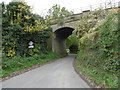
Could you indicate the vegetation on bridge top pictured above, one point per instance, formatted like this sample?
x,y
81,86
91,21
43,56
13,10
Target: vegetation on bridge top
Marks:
x,y
77,17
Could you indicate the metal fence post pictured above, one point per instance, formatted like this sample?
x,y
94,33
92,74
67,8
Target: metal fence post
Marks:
x,y
114,5
105,5
81,10
111,4
119,4
90,7
101,5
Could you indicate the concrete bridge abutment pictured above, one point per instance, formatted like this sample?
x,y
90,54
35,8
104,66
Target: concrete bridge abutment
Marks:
x,y
59,46
59,40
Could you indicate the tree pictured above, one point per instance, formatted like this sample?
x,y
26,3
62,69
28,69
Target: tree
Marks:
x,y
58,13
19,27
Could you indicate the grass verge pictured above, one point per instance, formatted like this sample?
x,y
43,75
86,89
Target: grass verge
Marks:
x,y
19,63
100,78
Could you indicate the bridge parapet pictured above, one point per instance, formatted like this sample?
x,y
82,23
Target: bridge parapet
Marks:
x,y
91,9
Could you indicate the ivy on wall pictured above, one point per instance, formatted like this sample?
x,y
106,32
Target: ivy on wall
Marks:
x,y
21,26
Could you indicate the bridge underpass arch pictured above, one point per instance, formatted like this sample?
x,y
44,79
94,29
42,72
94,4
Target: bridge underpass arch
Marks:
x,y
59,40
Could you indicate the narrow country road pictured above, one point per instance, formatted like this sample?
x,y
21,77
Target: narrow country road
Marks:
x,y
58,74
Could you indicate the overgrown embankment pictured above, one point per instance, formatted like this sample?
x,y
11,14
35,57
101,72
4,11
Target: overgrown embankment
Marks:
x,y
98,57
24,38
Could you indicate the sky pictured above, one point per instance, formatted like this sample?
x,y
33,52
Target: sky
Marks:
x,y
41,6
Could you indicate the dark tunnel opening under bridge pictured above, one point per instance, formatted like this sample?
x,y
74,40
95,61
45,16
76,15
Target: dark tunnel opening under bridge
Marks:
x,y
59,41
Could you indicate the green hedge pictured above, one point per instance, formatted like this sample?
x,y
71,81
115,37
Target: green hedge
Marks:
x,y
20,26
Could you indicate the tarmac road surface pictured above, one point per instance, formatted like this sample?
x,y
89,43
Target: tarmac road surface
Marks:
x,y
58,74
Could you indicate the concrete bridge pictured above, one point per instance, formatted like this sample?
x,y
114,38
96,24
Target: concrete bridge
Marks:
x,y
61,32
64,30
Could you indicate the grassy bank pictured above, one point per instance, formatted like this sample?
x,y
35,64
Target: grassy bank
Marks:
x,y
98,57
99,77
19,63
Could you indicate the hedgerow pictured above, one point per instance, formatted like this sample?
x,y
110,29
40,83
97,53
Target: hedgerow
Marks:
x,y
20,26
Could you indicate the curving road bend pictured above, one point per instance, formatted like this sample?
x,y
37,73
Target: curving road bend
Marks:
x,y
58,74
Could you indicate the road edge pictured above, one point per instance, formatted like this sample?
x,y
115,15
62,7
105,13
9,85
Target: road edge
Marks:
x,y
16,73
84,77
